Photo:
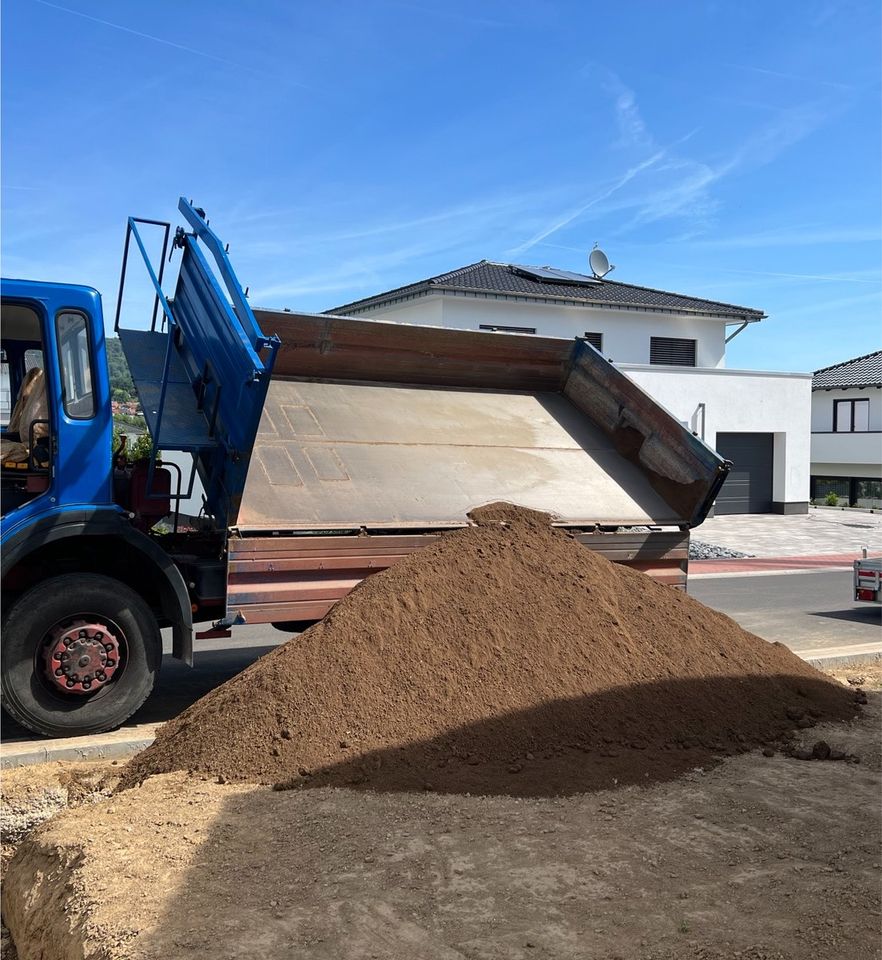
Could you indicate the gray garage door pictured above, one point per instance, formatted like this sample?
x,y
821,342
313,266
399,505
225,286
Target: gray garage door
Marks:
x,y
748,488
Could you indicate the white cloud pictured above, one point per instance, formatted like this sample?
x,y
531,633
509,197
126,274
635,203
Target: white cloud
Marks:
x,y
574,214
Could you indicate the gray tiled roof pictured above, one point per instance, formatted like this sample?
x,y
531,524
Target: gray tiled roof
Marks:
x,y
863,371
486,277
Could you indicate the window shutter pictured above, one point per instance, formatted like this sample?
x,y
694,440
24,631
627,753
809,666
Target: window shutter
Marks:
x,y
497,328
595,339
672,350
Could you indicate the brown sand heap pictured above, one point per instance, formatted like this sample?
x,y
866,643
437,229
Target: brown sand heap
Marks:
x,y
505,658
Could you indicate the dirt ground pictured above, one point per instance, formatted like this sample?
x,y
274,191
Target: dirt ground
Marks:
x,y
763,858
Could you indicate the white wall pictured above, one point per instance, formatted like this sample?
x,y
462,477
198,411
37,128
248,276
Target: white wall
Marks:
x,y
848,448
184,460
742,401
822,406
863,470
625,334
423,311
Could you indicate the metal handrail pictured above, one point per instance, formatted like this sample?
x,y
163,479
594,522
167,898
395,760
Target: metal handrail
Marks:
x,y
160,296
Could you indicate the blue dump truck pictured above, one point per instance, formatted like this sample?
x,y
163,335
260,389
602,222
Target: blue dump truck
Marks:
x,y
325,449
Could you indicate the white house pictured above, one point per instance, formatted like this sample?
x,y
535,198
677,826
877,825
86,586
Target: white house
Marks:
x,y
674,346
847,431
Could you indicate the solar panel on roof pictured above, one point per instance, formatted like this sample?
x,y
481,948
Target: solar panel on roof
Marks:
x,y
552,275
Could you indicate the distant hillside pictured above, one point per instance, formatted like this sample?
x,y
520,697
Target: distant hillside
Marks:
x,y
120,379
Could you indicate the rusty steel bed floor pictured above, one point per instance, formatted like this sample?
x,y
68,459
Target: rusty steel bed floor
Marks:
x,y
338,455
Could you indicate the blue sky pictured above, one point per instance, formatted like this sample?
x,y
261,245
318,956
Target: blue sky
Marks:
x,y
721,149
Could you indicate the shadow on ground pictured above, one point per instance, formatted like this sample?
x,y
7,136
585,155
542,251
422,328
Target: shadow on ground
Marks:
x,y
636,734
640,734
703,868
868,614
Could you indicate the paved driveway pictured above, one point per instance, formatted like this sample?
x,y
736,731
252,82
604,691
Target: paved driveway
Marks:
x,y
821,530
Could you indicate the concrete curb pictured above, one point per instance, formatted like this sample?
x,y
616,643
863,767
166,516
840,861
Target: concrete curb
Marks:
x,y
855,655
105,746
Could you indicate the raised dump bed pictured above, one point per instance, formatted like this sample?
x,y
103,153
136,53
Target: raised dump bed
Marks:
x,y
376,436
383,425
328,447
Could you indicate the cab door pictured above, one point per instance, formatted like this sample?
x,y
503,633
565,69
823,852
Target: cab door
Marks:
x,y
78,415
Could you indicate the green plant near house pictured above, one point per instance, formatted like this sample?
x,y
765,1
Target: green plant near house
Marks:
x,y
832,500
141,448
138,449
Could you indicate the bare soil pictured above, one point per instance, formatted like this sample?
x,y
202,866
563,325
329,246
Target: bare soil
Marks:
x,y
31,795
762,858
502,747
508,659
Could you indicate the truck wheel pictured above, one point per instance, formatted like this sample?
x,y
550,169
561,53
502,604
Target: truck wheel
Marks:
x,y
81,653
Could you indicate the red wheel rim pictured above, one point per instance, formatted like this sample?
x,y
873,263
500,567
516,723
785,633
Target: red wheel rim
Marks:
x,y
81,656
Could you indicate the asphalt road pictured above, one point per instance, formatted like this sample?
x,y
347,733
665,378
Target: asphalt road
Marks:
x,y
805,611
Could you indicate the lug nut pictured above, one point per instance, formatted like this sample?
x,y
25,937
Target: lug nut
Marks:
x,y
108,647
70,682
110,663
59,672
98,635
82,634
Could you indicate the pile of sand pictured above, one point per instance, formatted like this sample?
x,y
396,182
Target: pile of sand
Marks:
x,y
506,658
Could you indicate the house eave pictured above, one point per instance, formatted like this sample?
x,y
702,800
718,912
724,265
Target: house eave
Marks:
x,y
479,294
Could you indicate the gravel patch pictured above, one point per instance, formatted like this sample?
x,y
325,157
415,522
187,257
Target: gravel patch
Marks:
x,y
699,550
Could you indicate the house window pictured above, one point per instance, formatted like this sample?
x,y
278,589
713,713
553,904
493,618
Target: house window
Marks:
x,y
851,416
595,339
495,328
868,493
672,350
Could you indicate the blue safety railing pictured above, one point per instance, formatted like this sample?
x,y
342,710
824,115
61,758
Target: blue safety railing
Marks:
x,y
206,395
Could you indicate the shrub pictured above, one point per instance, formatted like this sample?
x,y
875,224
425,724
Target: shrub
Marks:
x,y
832,500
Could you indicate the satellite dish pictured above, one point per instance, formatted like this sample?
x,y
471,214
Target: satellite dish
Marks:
x,y
599,263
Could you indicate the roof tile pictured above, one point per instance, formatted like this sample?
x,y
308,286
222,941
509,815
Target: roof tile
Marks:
x,y
504,278
865,371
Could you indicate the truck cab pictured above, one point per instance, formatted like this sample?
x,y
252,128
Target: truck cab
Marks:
x,y
58,407
81,640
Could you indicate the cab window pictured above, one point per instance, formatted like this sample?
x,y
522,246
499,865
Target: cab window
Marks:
x,y
75,362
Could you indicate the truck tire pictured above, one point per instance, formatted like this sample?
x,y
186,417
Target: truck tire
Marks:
x,y
80,654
